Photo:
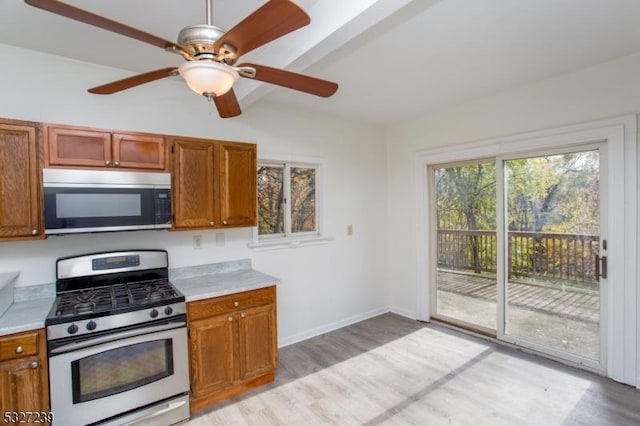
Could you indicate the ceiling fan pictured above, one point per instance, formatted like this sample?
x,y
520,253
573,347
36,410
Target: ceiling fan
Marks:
x,y
211,53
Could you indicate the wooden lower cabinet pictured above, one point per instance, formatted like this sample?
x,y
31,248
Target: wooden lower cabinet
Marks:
x,y
23,373
232,345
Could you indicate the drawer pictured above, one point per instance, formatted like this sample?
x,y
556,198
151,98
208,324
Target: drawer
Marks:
x,y
232,302
18,345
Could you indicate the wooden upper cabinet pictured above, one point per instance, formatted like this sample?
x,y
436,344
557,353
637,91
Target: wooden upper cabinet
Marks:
x,y
193,183
238,193
214,183
20,185
75,147
81,147
138,151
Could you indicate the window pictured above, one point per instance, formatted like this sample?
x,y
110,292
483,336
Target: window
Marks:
x,y
287,200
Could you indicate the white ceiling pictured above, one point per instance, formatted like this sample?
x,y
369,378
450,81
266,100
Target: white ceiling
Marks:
x,y
393,59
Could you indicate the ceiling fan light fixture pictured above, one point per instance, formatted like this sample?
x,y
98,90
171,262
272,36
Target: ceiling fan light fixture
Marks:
x,y
208,78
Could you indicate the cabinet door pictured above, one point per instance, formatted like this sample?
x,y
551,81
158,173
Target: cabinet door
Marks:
x,y
238,194
257,341
78,147
193,183
22,386
19,181
139,151
212,354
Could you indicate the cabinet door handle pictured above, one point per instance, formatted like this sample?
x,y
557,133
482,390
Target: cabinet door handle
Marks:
x,y
212,223
230,318
236,304
117,163
224,222
242,314
19,349
34,232
34,364
107,162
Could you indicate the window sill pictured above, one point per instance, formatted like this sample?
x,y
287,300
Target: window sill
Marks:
x,y
289,243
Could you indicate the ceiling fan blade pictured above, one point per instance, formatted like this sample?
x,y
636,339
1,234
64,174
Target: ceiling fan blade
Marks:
x,y
271,21
136,80
227,105
81,15
292,80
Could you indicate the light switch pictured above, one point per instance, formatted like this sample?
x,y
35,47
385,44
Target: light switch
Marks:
x,y
197,242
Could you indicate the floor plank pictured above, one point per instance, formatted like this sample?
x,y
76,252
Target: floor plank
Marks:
x,y
393,371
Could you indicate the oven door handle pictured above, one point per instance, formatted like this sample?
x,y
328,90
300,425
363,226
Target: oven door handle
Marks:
x,y
116,336
147,415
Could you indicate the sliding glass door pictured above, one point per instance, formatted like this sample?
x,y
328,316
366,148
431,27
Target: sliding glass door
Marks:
x,y
466,286
552,206
518,251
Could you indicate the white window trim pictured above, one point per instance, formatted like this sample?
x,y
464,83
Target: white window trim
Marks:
x,y
301,239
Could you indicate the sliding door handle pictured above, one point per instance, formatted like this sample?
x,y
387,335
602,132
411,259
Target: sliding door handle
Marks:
x,y
601,267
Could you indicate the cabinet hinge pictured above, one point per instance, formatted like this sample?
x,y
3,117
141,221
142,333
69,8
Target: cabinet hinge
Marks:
x,y
172,149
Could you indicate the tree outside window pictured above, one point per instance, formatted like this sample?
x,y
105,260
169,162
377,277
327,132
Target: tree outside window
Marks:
x,y
287,199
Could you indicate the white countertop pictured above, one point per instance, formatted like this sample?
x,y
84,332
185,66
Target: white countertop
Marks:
x,y
25,316
219,284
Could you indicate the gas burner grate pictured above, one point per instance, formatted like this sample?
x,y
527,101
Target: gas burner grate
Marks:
x,y
114,296
149,291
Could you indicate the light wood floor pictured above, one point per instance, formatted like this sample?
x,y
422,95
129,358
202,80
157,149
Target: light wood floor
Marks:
x,y
393,371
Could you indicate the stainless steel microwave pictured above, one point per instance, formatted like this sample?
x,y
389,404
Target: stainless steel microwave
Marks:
x,y
78,201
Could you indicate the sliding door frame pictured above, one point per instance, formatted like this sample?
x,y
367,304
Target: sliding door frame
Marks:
x,y
623,344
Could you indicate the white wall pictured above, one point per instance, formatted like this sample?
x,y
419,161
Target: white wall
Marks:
x,y
607,90
322,286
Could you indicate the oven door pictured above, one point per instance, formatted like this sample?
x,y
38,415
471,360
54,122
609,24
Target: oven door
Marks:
x,y
97,378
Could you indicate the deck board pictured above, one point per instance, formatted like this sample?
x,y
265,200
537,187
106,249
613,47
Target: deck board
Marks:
x,y
564,302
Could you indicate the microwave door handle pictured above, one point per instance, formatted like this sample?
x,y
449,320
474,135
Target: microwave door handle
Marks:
x,y
116,336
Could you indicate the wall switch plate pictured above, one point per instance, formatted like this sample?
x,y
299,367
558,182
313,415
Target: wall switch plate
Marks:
x,y
349,229
197,242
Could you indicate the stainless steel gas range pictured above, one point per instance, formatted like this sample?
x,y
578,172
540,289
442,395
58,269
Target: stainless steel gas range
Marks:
x,y
117,341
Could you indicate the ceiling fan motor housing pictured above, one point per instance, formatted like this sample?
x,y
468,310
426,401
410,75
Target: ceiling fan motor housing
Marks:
x,y
199,40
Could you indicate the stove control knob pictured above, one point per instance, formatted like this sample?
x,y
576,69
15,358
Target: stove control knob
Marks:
x,y
91,325
153,313
72,329
168,310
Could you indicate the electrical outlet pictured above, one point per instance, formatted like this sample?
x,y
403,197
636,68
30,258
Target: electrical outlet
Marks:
x,y
220,239
349,229
197,242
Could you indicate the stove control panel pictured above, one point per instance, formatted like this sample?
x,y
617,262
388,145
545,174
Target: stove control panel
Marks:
x,y
79,327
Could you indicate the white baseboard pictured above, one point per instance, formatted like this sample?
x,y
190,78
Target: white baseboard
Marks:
x,y
299,337
403,312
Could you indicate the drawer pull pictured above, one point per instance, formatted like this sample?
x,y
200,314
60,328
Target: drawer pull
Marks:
x,y
19,349
236,304
230,318
34,364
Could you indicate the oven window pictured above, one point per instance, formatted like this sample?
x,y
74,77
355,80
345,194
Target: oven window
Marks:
x,y
122,369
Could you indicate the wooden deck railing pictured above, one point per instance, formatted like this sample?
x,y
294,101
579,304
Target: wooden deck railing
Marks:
x,y
568,257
